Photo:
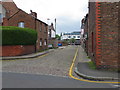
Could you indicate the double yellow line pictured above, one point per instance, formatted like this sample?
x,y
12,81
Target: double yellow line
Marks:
x,y
71,69
71,72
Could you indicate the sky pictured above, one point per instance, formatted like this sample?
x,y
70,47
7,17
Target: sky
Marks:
x,y
68,13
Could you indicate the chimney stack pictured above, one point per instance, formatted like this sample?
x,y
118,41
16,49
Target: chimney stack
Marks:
x,y
34,14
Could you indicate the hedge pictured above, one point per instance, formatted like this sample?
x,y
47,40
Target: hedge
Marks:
x,y
18,36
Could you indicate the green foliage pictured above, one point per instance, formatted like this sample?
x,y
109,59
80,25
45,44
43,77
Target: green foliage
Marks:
x,y
65,41
92,65
72,40
88,57
58,37
18,36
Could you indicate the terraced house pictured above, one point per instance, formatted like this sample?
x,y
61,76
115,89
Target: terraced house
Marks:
x,y
102,34
11,15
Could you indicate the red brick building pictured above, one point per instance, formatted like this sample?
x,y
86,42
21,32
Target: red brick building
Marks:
x,y
84,33
103,39
13,16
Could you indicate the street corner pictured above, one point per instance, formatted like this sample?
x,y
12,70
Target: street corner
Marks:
x,y
29,56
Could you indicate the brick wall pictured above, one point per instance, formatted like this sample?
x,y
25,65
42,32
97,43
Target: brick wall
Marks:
x,y
92,30
86,33
5,22
105,52
53,41
32,23
17,50
0,51
10,7
119,35
42,30
109,34
22,16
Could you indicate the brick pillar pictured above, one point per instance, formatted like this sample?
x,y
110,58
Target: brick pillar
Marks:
x,y
98,34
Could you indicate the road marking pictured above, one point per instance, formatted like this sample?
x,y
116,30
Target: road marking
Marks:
x,y
27,58
71,71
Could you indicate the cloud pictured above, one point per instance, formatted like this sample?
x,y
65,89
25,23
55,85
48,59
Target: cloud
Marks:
x,y
66,11
53,8
65,24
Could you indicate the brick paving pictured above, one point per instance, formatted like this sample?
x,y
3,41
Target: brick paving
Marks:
x,y
55,63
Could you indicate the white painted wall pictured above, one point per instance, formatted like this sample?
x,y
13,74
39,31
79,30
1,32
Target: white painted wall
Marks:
x,y
52,33
72,36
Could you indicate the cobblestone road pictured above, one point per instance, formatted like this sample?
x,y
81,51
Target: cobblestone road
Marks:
x,y
55,63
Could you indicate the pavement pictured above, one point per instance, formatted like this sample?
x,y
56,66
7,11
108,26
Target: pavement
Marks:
x,y
33,55
83,70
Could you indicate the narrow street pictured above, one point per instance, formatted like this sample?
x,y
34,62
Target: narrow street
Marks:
x,y
59,44
57,63
48,71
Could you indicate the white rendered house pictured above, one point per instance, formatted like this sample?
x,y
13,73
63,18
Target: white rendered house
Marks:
x,y
76,35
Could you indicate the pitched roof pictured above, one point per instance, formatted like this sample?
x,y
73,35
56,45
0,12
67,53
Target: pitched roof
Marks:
x,y
14,14
27,14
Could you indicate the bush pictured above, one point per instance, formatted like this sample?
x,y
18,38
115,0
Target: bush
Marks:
x,y
18,36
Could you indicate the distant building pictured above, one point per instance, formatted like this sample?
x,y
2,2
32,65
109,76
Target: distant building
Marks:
x,y
76,35
51,31
52,41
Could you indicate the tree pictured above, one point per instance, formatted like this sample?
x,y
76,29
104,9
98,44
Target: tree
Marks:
x,y
58,37
72,40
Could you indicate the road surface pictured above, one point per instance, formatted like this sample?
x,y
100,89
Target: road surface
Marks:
x,y
48,71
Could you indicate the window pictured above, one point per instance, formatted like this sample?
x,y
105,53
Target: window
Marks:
x,y
49,33
45,42
21,24
1,15
40,27
78,36
69,36
40,42
45,28
74,36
